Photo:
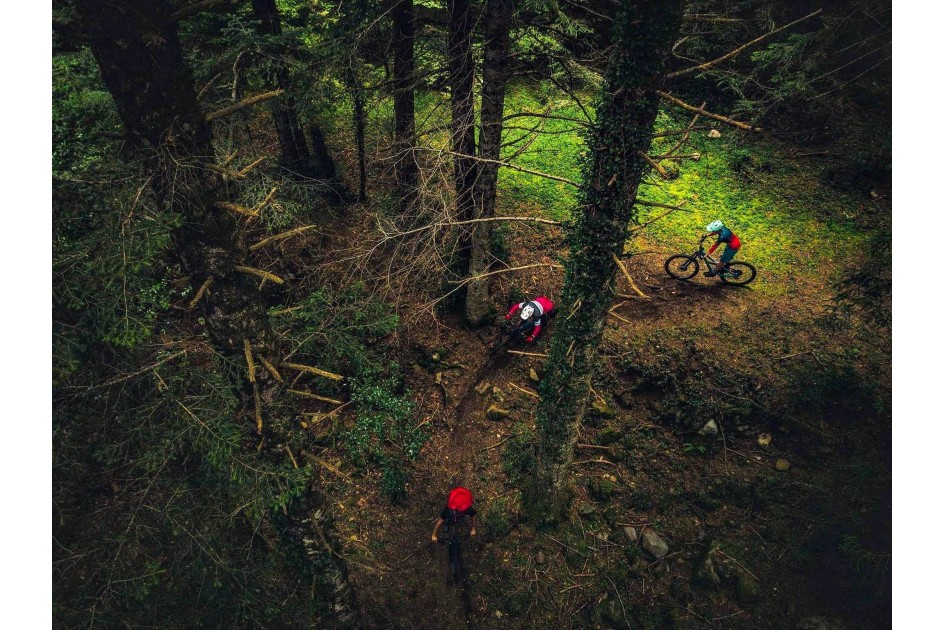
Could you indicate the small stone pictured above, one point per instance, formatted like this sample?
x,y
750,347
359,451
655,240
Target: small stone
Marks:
x,y
496,413
654,545
586,510
709,428
483,387
782,465
714,133
532,374
631,534
435,356
497,394
764,439
438,378
540,558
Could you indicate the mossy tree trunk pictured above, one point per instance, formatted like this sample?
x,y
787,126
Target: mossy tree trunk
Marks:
x,y
498,18
462,73
139,54
405,140
643,33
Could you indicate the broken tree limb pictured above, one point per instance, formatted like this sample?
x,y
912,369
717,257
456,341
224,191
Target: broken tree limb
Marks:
x,y
523,390
676,132
234,207
656,165
263,203
248,351
613,314
257,407
732,53
324,464
527,354
280,237
685,138
671,210
313,370
295,464
623,268
476,158
298,392
260,273
225,172
693,108
241,104
272,369
200,292
245,171
653,204
695,157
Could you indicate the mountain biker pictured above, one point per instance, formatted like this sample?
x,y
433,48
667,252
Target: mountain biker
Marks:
x,y
458,505
535,312
732,243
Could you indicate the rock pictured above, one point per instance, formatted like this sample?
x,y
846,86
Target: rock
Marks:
x,y
817,622
782,465
497,394
608,435
631,534
540,558
654,545
586,510
532,374
600,489
483,387
709,428
438,378
764,439
714,133
604,410
496,413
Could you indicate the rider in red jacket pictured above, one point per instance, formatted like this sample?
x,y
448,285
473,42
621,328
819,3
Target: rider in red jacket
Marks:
x,y
535,311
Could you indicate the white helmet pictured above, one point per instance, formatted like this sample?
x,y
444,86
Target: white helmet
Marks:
x,y
527,311
715,226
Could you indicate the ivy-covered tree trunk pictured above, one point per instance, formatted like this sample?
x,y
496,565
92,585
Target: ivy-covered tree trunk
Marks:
x,y
405,140
139,54
462,73
498,17
642,36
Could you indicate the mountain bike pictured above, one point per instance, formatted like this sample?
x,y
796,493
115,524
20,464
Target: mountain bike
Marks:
x,y
454,551
684,267
510,336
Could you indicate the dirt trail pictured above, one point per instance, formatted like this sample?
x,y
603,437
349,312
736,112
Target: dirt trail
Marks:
x,y
418,591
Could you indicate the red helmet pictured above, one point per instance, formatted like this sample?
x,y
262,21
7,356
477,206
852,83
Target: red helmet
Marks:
x,y
460,499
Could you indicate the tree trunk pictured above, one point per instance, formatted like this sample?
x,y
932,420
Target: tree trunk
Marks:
x,y
642,36
495,74
139,54
405,162
463,134
360,123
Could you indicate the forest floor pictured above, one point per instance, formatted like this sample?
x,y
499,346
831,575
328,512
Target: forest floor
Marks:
x,y
780,513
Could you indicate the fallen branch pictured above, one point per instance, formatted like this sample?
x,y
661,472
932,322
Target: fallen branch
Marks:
x,y
653,204
257,407
235,207
476,158
324,464
523,390
730,54
633,285
268,198
134,374
695,157
527,354
676,132
200,292
272,369
245,171
693,108
248,351
314,396
313,370
502,441
594,446
288,450
656,166
246,102
260,273
621,318
440,224
222,170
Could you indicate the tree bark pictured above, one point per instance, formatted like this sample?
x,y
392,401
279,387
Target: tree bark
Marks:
x,y
462,73
495,75
139,54
642,36
405,140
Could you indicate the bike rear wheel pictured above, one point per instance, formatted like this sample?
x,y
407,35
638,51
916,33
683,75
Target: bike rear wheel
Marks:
x,y
738,274
681,267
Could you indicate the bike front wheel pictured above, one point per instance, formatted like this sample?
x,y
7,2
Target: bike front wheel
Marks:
x,y
738,274
681,267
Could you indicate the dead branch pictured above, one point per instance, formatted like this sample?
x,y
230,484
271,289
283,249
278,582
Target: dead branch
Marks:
x,y
505,164
260,273
730,54
313,370
288,450
209,84
196,7
314,396
272,369
200,292
502,441
225,172
633,285
671,210
257,407
656,166
594,446
324,464
685,138
246,102
527,354
700,18
621,318
138,372
695,157
280,237
244,172
693,108
268,198
442,224
548,116
234,207
653,204
523,390
248,351
676,132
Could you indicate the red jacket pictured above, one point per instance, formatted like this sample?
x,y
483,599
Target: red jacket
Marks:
x,y
543,307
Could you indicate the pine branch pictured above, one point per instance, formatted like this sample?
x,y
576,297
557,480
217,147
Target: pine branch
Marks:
x,y
698,110
246,102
